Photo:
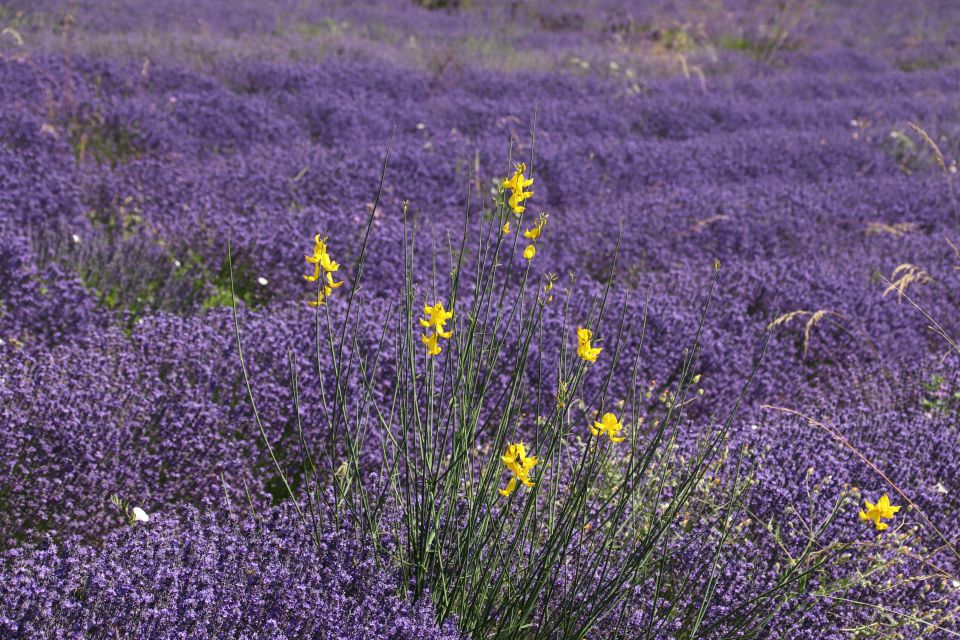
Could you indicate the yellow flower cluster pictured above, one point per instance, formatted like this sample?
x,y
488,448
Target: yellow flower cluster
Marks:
x,y
584,348
321,261
435,318
517,183
533,234
516,460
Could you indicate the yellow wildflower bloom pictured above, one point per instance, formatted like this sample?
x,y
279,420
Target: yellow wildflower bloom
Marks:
x,y
584,350
534,232
330,285
433,348
436,317
608,425
327,264
516,198
883,509
506,228
516,460
516,184
321,261
529,252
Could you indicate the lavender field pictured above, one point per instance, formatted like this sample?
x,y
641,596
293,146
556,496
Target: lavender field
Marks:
x,y
462,319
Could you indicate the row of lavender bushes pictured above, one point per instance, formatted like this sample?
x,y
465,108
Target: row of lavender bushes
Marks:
x,y
135,396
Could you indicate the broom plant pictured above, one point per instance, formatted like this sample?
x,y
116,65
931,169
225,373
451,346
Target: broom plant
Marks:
x,y
523,510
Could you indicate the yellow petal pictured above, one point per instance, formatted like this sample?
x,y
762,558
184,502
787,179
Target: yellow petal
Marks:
x,y
331,283
431,343
315,276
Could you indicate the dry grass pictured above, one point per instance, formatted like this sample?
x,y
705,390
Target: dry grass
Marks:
x,y
896,229
903,276
813,319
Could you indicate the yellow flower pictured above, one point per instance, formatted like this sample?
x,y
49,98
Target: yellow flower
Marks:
x,y
584,350
516,198
321,261
608,425
506,228
330,285
883,509
516,460
436,317
516,184
534,232
431,341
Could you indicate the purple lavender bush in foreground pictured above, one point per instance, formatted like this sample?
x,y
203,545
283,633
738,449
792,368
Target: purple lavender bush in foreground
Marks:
x,y
208,574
